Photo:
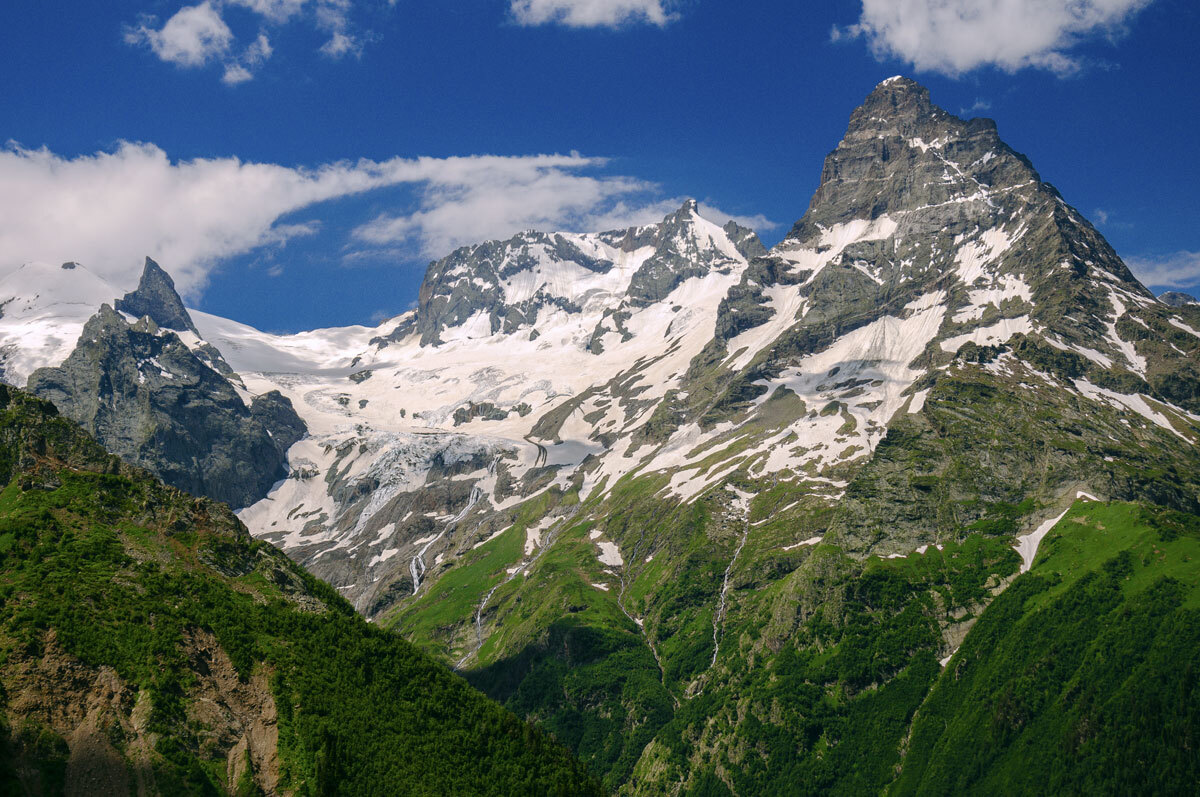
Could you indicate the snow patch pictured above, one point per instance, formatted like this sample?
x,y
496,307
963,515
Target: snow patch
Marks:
x,y
1175,322
998,332
610,554
1133,402
809,541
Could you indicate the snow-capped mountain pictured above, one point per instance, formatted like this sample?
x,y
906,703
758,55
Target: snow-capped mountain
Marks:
x,y
134,372
567,354
43,309
668,436
558,364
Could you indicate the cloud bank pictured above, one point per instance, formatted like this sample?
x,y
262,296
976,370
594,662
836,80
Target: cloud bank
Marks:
x,y
1178,270
110,209
957,36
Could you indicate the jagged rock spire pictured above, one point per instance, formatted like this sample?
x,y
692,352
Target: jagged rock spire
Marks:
x,y
901,152
157,298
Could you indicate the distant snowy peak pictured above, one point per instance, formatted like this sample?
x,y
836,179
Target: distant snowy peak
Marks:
x,y
36,287
1177,299
43,308
502,287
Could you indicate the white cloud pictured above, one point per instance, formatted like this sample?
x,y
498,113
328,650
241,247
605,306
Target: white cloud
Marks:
x,y
192,37
980,106
242,70
956,36
197,35
479,199
465,200
235,74
340,44
110,209
1178,270
274,10
590,13
333,16
758,222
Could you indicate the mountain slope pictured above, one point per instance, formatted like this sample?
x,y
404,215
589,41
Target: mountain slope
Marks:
x,y
1082,677
433,435
151,645
941,353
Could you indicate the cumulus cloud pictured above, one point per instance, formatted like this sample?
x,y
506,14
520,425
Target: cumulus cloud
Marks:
x,y
198,35
956,36
192,37
110,209
465,200
1178,270
590,13
241,70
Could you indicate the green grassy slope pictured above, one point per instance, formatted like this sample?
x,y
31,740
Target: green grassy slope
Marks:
x,y
1084,676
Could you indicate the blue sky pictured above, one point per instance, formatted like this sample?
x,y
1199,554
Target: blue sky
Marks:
x,y
296,163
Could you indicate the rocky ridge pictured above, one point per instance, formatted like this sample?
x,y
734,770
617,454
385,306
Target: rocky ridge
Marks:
x,y
152,391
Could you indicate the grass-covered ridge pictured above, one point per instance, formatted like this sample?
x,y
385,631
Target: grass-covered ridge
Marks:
x,y
146,641
1083,677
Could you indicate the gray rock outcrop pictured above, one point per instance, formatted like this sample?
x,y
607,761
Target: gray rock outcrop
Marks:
x,y
153,401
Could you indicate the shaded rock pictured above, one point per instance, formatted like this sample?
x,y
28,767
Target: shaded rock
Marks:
x,y
157,299
151,400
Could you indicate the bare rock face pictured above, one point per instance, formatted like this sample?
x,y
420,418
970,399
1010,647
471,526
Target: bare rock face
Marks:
x,y
152,400
99,716
239,715
82,705
156,298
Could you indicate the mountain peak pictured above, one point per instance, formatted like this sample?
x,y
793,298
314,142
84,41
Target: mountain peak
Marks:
x,y
157,298
901,152
502,286
897,106
1177,299
899,84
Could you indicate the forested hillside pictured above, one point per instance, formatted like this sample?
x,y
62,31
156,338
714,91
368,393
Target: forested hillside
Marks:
x,y
148,645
